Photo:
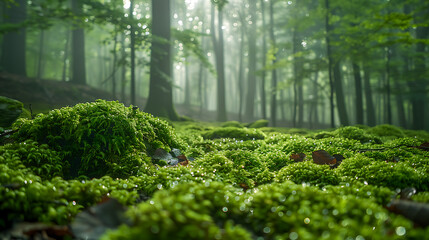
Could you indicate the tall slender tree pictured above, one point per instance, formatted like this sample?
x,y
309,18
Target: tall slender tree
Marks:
x,y
13,58
251,82
78,46
160,101
264,60
273,113
218,46
133,55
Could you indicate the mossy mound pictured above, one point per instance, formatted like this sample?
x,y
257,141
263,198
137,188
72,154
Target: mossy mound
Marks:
x,y
232,124
99,136
386,130
232,186
308,172
215,210
10,110
356,133
258,124
233,132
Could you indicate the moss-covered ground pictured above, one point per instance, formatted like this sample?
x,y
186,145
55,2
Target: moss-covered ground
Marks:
x,y
230,181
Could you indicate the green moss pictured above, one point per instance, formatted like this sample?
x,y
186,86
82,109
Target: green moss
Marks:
x,y
421,197
258,124
94,136
389,174
236,167
191,211
41,160
213,210
308,172
233,132
386,130
238,187
232,124
356,134
10,110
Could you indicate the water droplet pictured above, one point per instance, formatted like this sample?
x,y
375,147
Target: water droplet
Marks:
x,y
307,220
293,235
267,230
400,231
225,209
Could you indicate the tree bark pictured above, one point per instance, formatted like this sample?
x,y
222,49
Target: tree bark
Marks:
x,y
220,64
133,57
330,63
114,65
66,56
41,51
370,110
241,76
251,82
341,104
358,93
78,47
160,101
264,62
273,72
13,58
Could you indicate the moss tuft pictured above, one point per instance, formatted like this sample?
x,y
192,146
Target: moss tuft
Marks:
x,y
258,124
95,136
233,132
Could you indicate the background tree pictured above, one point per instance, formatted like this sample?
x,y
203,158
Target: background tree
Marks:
x,y
160,101
78,45
13,57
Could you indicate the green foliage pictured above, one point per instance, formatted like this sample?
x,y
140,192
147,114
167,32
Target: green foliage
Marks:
x,y
386,130
308,172
232,124
276,160
41,160
258,124
233,132
356,134
240,184
236,167
94,136
10,110
381,173
187,211
213,210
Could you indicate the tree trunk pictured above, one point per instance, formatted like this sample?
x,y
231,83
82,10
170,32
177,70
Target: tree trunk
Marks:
x,y
123,69
66,56
330,62
241,77
220,64
264,62
358,93
114,66
251,82
160,101
388,88
187,84
133,57
78,47
341,105
418,86
13,59
273,72
370,111
41,51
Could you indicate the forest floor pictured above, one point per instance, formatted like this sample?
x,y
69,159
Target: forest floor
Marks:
x,y
74,172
